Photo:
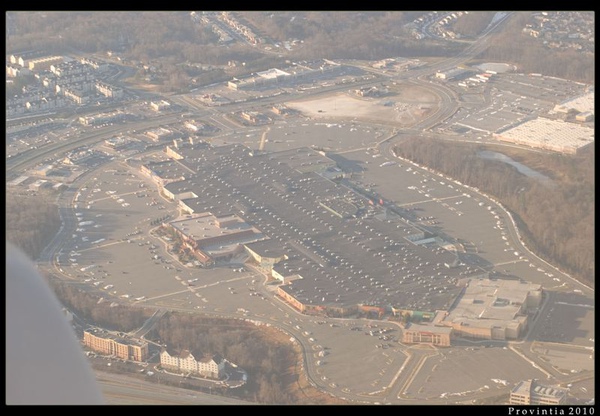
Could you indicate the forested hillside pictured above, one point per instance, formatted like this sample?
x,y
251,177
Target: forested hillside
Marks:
x,y
31,222
348,35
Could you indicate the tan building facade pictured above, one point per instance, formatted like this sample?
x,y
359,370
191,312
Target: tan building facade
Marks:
x,y
107,344
427,334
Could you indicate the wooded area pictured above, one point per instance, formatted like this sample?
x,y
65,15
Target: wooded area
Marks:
x,y
31,222
556,221
472,24
347,35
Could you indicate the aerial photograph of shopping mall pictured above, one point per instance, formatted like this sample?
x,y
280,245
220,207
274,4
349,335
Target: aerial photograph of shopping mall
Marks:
x,y
301,208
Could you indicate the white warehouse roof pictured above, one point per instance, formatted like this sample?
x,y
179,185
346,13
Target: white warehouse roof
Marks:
x,y
549,134
582,103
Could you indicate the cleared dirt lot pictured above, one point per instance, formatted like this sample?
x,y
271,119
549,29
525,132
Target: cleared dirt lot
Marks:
x,y
406,105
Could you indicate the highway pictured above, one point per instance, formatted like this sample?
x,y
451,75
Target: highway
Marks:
x,y
30,158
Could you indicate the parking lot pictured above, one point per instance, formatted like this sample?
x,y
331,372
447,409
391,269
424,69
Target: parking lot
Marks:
x,y
473,370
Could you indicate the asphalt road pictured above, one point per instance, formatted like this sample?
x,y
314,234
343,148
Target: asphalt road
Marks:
x,y
125,390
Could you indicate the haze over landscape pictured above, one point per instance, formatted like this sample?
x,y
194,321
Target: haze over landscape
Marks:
x,y
310,208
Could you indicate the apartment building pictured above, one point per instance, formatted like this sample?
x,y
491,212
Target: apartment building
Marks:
x,y
109,344
211,366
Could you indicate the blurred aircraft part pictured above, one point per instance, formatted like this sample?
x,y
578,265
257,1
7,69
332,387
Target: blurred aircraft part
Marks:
x,y
45,364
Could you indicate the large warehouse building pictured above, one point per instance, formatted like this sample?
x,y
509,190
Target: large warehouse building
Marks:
x,y
554,135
